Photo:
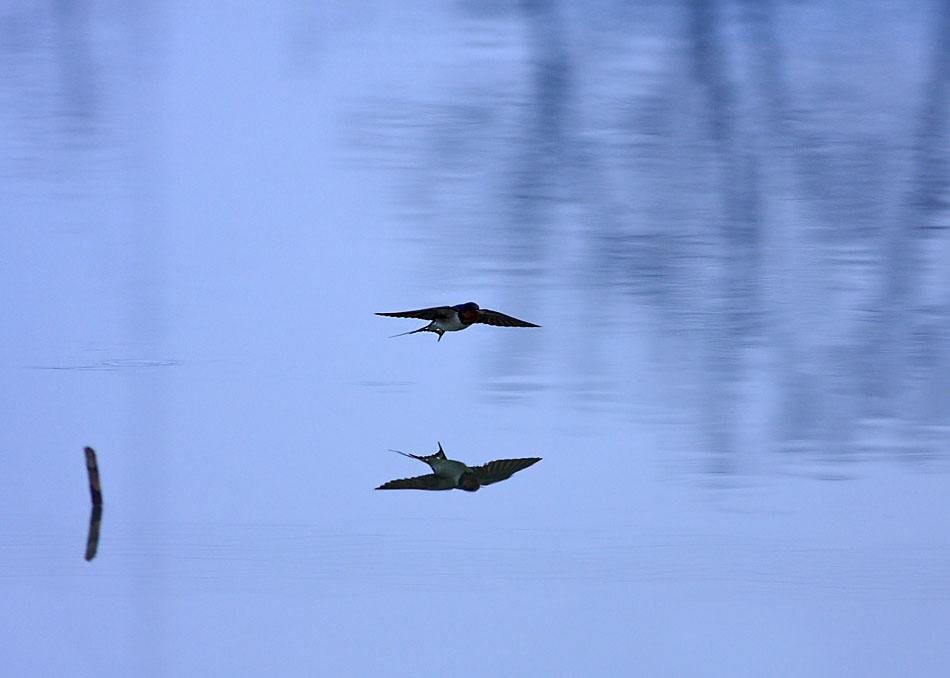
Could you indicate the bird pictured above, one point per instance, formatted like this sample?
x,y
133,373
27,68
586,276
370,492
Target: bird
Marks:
x,y
454,318
449,474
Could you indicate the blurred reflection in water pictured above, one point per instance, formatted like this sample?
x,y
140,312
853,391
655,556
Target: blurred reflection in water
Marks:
x,y
728,188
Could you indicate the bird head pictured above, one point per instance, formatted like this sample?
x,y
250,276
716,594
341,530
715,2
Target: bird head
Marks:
x,y
467,313
469,482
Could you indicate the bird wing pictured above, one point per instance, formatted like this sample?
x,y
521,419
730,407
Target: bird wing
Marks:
x,y
501,469
434,313
429,481
497,319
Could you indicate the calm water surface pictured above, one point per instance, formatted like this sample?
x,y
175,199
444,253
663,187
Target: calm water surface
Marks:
x,y
726,216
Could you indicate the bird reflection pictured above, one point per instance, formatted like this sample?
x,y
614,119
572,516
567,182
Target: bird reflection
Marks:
x,y
448,474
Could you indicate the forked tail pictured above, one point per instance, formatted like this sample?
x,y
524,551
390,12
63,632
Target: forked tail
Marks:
x,y
422,458
408,454
421,329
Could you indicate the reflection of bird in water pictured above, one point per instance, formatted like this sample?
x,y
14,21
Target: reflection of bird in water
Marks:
x,y
448,474
454,318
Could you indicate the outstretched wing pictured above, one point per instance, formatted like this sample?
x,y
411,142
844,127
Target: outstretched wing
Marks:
x,y
501,469
500,319
427,482
434,313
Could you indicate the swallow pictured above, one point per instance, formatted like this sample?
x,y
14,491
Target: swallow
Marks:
x,y
449,474
454,318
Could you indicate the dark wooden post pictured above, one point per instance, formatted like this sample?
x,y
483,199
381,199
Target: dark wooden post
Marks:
x,y
92,467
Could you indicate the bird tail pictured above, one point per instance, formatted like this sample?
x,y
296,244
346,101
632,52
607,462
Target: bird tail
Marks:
x,y
402,334
408,454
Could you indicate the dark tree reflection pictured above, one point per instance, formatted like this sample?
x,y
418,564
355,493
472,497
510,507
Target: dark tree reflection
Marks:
x,y
911,329
727,183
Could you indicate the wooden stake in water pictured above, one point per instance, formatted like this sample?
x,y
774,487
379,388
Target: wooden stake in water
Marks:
x,y
95,491
93,468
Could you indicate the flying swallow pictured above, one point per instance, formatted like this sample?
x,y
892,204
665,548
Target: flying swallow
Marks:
x,y
448,474
454,318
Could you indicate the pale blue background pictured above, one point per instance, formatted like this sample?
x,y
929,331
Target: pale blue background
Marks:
x,y
731,219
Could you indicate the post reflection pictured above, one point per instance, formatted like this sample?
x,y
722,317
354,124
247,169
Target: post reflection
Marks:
x,y
92,537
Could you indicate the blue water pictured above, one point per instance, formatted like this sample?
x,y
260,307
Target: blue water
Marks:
x,y
729,221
